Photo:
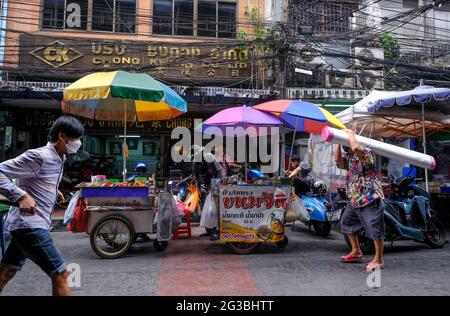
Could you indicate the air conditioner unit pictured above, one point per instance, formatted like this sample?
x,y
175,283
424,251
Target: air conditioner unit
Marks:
x,y
370,79
341,78
369,52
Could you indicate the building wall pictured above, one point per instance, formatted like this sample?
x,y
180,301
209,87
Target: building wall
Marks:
x,y
26,18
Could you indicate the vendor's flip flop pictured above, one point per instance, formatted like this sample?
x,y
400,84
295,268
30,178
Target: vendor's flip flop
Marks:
x,y
351,259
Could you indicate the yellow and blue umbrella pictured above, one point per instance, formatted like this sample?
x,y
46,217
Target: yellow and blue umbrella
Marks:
x,y
120,95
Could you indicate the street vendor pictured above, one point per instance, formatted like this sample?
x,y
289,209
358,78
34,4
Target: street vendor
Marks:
x,y
213,170
365,207
226,162
301,175
37,173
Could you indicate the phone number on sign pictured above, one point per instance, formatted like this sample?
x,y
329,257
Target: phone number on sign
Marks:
x,y
235,236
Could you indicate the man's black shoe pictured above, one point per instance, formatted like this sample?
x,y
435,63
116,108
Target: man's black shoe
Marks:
x,y
205,234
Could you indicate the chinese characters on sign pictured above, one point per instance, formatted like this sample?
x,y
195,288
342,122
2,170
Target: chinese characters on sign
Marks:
x,y
190,61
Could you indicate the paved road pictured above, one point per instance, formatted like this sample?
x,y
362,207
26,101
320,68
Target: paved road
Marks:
x,y
308,266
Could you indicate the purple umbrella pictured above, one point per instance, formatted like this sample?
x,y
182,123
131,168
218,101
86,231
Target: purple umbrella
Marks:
x,y
241,116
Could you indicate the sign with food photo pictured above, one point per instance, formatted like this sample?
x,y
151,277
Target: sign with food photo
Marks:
x,y
252,213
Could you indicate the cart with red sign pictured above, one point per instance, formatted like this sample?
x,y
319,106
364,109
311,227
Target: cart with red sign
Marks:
x,y
116,215
250,214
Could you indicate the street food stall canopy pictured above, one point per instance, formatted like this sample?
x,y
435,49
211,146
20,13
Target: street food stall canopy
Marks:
x,y
377,116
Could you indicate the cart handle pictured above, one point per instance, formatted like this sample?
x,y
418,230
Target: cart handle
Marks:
x,y
8,202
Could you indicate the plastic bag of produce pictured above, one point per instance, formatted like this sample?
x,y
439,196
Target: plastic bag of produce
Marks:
x,y
210,213
297,210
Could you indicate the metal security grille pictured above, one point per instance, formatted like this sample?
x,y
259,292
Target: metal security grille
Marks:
x,y
323,16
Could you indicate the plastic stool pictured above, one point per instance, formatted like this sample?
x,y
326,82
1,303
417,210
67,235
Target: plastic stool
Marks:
x,y
184,230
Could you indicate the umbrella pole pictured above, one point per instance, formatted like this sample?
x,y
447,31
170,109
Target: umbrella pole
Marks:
x,y
281,162
124,171
292,145
424,143
246,152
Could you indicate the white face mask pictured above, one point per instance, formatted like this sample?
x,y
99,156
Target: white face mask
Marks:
x,y
73,146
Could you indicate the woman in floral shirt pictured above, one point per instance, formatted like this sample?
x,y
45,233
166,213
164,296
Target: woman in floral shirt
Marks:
x,y
365,208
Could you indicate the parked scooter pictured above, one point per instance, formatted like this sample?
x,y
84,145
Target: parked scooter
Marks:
x,y
408,216
320,209
186,192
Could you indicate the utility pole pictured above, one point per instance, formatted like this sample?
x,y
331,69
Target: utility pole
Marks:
x,y
428,29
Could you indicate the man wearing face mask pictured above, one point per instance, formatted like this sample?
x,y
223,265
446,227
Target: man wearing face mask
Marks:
x,y
37,173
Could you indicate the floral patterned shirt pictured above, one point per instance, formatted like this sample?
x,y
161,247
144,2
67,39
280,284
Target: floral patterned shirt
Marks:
x,y
363,184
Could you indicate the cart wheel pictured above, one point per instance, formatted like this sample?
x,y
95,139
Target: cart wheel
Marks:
x,y
112,236
160,245
283,243
243,248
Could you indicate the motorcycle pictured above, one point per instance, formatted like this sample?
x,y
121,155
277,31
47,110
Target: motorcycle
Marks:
x,y
408,216
321,211
323,215
188,194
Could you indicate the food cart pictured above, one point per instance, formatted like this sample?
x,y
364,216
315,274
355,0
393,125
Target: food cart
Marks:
x,y
116,214
252,213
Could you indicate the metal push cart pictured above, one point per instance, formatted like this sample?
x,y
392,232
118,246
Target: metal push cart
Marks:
x,y
116,215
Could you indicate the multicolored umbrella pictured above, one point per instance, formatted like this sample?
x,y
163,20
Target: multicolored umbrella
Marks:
x,y
122,96
304,116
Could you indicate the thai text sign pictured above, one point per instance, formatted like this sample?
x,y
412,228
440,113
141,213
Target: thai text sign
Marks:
x,y
252,213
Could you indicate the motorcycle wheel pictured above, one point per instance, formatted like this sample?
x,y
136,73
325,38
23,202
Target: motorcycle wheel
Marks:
x,y
322,229
243,248
435,237
366,244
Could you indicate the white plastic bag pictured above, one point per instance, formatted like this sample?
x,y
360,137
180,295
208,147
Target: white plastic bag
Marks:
x,y
299,208
68,215
210,213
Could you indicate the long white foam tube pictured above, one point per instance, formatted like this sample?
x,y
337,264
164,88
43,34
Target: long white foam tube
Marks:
x,y
415,158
